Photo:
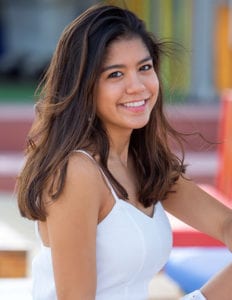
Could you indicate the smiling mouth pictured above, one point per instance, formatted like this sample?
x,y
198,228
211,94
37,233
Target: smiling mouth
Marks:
x,y
135,103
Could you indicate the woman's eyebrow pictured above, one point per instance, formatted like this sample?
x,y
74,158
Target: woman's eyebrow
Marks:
x,y
121,66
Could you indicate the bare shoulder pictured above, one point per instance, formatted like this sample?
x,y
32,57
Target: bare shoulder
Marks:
x,y
83,168
72,227
83,188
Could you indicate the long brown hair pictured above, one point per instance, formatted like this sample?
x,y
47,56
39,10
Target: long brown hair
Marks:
x,y
66,115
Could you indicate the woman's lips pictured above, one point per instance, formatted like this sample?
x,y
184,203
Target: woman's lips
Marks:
x,y
135,106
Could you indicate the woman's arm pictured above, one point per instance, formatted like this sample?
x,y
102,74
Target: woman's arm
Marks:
x,y
195,207
72,222
219,287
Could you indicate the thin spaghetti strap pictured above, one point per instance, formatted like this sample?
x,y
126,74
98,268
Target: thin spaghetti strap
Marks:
x,y
86,153
103,174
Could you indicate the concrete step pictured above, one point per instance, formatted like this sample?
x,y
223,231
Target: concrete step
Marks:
x,y
15,246
10,165
202,167
15,122
18,242
14,252
201,119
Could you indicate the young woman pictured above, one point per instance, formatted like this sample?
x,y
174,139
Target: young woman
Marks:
x,y
99,169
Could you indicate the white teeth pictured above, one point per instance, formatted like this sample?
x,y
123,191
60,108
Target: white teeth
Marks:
x,y
134,104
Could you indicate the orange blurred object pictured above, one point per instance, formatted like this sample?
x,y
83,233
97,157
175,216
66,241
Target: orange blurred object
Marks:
x,y
223,48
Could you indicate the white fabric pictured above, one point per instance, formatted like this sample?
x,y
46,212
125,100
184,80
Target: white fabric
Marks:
x,y
196,295
131,248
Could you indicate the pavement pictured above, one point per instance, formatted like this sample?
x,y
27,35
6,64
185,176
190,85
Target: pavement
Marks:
x,y
17,232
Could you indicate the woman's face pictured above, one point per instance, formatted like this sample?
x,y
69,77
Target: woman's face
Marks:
x,y
128,86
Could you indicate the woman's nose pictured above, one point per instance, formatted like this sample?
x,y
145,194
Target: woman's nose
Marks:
x,y
134,84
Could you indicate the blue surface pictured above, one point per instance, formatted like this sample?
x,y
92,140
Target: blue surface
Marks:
x,y
191,267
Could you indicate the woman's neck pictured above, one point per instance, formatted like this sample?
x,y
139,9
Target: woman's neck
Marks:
x,y
119,148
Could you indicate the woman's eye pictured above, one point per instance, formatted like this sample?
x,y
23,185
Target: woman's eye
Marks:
x,y
146,67
115,74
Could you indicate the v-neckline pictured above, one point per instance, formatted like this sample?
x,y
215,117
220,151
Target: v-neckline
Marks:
x,y
114,193
139,210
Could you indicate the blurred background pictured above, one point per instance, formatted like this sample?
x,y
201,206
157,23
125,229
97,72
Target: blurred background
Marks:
x,y
197,77
29,31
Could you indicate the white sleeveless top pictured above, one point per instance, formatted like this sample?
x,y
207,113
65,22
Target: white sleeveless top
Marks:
x,y
131,248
